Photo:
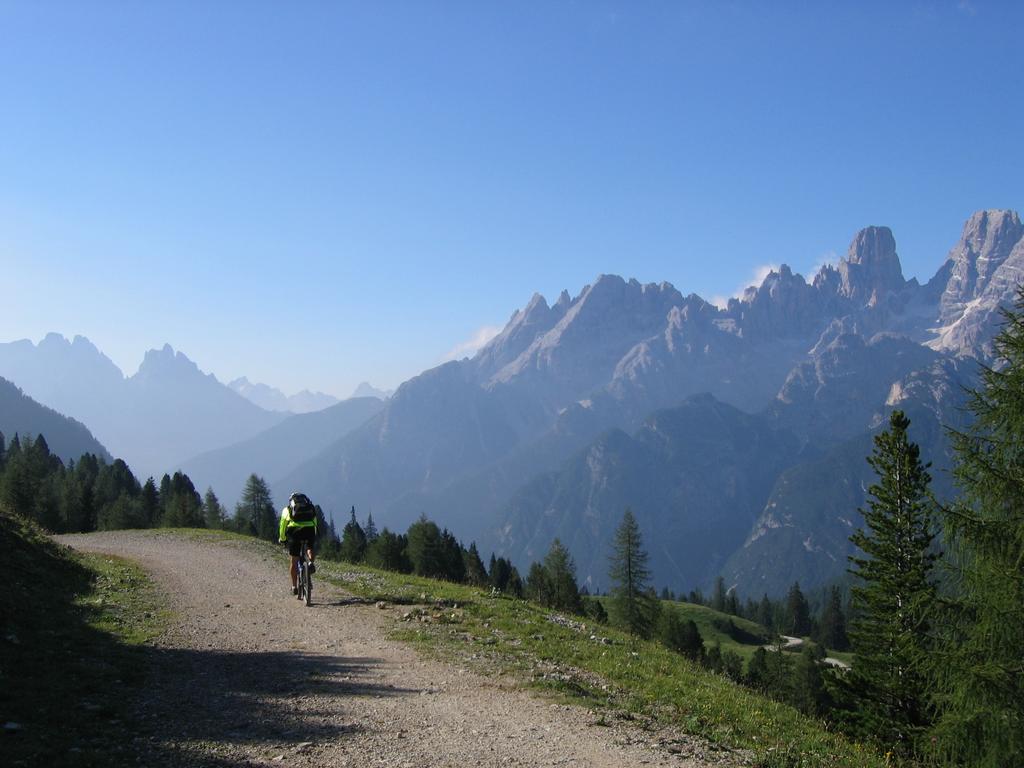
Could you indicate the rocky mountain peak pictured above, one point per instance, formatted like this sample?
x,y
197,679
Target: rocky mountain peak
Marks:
x,y
871,266
165,361
987,241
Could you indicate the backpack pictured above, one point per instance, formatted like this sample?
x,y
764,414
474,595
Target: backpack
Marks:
x,y
303,510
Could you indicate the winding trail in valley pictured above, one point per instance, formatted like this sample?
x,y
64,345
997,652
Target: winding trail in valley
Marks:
x,y
247,675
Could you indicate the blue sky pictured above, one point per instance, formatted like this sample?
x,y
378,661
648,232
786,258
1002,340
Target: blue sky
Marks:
x,y
314,194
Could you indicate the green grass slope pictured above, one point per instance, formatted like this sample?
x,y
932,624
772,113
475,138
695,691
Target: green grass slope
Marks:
x,y
70,633
602,668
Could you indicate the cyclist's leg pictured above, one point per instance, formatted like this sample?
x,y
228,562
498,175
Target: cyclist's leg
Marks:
x,y
310,541
294,547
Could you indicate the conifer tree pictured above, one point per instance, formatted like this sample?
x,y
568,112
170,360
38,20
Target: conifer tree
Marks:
x,y
514,585
425,549
476,574
766,613
832,630
452,557
371,529
757,670
980,663
149,501
561,574
895,597
255,513
594,610
537,586
732,665
631,605
713,657
681,635
353,540
809,694
213,511
718,598
388,551
798,613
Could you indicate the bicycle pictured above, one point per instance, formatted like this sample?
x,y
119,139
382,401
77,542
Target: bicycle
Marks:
x,y
305,581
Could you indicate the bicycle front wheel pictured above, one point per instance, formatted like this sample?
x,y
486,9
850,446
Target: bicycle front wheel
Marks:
x,y
307,579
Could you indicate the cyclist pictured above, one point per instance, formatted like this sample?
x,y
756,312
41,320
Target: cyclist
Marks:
x,y
298,528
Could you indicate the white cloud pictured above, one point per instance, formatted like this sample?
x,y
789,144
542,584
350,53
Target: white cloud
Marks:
x,y
757,276
760,273
470,346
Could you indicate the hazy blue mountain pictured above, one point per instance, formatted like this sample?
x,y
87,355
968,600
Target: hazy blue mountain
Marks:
x,y
273,399
67,438
580,407
483,444
436,428
696,477
802,534
365,389
277,451
167,411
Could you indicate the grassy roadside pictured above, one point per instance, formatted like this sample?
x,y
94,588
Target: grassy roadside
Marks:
x,y
71,630
598,667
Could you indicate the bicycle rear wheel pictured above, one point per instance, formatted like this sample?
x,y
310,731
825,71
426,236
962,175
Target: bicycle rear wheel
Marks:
x,y
307,579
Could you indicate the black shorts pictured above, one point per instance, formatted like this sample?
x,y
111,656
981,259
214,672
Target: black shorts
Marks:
x,y
295,537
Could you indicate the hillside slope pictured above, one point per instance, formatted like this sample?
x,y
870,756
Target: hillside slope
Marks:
x,y
67,438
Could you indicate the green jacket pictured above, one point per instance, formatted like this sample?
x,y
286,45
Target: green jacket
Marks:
x,y
287,523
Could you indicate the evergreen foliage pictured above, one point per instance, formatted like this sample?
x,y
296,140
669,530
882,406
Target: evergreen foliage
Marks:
x,y
255,513
433,552
476,574
89,494
732,665
327,542
832,627
808,685
980,662
594,610
388,551
370,529
353,540
565,593
757,676
213,510
895,598
798,613
632,607
718,595
681,635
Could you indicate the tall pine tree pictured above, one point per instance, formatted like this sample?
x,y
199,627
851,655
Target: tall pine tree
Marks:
x,y
895,597
255,513
980,663
632,606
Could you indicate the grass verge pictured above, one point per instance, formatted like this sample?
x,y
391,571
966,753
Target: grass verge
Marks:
x,y
71,627
599,667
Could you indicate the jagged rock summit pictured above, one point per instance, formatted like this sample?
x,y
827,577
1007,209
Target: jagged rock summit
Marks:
x,y
487,445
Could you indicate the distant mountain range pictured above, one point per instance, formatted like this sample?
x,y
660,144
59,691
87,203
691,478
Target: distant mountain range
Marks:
x,y
582,407
275,452
273,399
166,412
365,389
67,438
737,435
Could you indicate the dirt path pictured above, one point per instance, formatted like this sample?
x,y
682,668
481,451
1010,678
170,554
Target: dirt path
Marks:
x,y
249,676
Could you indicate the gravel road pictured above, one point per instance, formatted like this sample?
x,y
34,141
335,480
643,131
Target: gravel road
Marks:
x,y
247,675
